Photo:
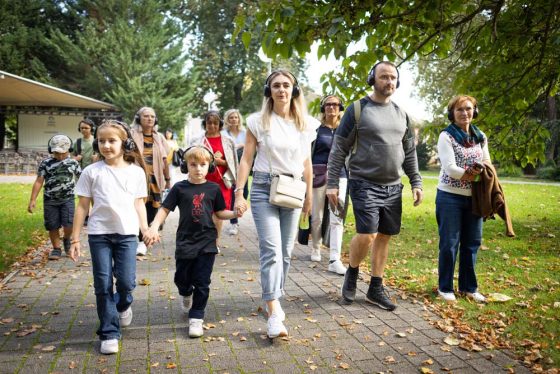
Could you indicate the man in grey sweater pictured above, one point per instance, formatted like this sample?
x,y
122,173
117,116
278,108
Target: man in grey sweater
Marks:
x,y
381,148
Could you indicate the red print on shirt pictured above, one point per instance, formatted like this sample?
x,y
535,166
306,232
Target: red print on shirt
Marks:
x,y
197,207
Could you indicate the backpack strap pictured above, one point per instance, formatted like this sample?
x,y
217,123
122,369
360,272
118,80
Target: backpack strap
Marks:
x,y
78,146
357,113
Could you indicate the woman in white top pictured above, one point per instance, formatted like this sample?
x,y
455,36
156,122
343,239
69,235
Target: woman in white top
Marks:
x,y
281,134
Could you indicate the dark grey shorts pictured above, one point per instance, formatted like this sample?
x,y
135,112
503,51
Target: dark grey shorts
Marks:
x,y
58,214
376,208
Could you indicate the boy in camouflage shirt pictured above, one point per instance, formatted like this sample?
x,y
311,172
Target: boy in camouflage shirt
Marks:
x,y
57,172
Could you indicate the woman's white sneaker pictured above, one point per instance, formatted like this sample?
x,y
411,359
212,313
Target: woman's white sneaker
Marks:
x,y
275,327
141,250
315,255
337,267
447,296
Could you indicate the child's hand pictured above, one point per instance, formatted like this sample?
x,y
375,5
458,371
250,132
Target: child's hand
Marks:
x,y
240,208
151,236
31,206
75,251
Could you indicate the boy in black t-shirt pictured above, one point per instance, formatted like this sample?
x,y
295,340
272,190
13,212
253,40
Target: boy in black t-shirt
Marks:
x,y
196,236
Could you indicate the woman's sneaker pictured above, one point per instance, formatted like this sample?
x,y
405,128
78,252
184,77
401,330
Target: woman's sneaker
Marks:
x,y
476,296
233,229
275,327
195,328
141,250
186,304
109,346
337,267
316,254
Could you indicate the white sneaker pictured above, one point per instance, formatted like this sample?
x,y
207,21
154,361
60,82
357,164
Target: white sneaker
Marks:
x,y
109,346
186,304
275,327
476,296
337,267
141,250
278,310
125,318
447,296
316,255
195,328
233,229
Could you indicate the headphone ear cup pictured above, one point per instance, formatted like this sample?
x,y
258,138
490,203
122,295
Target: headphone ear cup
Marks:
x,y
322,109
341,107
295,91
371,76
267,92
450,115
95,146
398,83
475,112
211,167
129,145
204,123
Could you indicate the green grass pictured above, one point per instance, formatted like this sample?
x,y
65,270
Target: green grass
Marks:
x,y
526,267
20,230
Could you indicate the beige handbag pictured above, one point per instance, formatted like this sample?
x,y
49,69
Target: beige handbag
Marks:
x,y
285,190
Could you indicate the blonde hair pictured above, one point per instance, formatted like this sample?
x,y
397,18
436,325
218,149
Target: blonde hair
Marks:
x,y
324,114
230,112
297,104
198,153
132,156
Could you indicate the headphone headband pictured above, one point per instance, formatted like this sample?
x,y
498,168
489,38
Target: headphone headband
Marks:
x,y
295,88
340,106
183,166
371,74
128,144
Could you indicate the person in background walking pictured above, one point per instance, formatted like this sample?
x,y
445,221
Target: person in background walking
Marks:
x,y
154,150
462,148
233,127
173,147
83,150
331,112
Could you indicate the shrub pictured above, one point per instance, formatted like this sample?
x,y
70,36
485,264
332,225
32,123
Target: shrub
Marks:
x,y
510,171
549,172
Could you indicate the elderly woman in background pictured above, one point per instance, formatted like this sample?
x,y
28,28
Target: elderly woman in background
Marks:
x,y
225,159
462,148
233,127
331,112
173,147
154,149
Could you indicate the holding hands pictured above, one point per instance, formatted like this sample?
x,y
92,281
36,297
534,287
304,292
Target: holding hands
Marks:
x,y
151,235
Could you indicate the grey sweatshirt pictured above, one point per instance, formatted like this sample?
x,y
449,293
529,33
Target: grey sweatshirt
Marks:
x,y
385,149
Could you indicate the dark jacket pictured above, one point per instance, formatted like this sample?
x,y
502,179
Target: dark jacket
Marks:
x,y
488,198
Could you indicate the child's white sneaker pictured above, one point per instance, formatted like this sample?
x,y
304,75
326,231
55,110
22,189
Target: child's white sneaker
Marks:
x,y
233,229
125,318
141,250
195,328
186,303
447,296
109,346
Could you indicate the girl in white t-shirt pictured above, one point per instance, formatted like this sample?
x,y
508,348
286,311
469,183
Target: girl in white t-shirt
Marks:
x,y
117,187
281,134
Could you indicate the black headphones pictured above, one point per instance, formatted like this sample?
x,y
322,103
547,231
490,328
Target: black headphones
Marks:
x,y
70,150
295,88
184,168
137,116
128,144
212,113
371,75
451,117
340,106
89,122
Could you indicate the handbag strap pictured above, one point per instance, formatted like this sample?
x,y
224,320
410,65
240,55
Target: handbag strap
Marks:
x,y
212,149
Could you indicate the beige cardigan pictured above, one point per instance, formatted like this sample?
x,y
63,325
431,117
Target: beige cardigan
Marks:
x,y
161,149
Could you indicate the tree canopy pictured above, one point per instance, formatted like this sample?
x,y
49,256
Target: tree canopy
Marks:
x,y
504,53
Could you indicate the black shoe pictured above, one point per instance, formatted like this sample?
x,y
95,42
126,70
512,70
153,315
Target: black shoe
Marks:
x,y
349,285
55,254
377,295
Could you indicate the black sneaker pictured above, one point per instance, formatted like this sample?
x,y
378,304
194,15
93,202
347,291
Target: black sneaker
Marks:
x,y
349,285
55,254
380,297
67,244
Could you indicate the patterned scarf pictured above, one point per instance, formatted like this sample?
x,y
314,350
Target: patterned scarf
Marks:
x,y
466,140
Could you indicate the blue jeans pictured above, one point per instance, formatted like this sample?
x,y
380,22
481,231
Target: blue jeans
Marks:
x,y
112,255
459,231
277,229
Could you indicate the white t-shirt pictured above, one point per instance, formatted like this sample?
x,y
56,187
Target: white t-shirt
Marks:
x,y
287,146
113,191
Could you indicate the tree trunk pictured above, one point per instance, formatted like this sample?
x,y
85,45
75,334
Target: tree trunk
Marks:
x,y
2,130
552,119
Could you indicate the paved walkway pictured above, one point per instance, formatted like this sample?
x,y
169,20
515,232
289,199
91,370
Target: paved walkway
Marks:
x,y
48,321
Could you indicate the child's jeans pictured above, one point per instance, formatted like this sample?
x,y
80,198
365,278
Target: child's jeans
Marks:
x,y
192,277
112,255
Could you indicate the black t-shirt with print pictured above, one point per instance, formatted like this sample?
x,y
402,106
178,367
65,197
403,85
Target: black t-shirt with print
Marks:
x,y
196,233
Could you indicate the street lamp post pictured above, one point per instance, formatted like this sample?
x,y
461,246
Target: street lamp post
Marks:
x,y
209,98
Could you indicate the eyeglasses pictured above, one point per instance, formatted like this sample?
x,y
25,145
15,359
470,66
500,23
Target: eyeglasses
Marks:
x,y
331,104
85,128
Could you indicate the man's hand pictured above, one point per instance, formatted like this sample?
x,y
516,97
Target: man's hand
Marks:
x,y
332,195
417,195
